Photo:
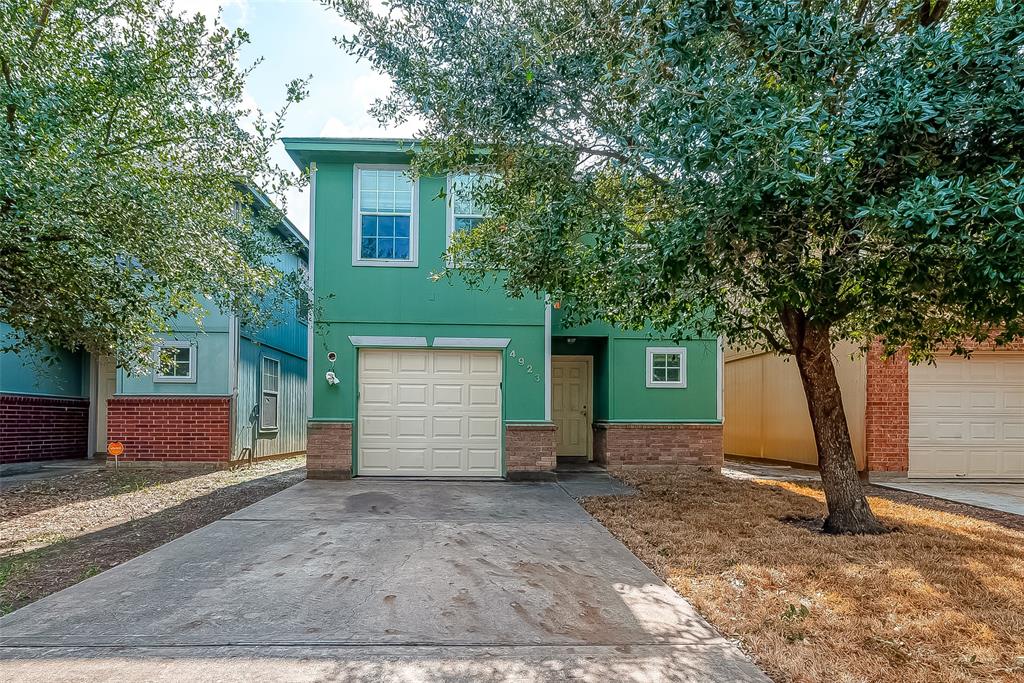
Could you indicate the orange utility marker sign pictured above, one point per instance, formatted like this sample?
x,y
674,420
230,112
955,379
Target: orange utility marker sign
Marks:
x,y
115,448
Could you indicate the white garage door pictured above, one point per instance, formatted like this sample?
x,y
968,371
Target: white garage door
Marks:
x,y
429,413
967,417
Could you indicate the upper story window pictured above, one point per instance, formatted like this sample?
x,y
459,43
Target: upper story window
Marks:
x,y
385,227
666,367
176,362
465,212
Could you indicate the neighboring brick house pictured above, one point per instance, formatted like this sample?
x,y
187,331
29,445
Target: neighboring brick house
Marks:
x,y
233,392
438,379
957,418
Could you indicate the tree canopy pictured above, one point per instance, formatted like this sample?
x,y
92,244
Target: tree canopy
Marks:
x,y
784,173
127,154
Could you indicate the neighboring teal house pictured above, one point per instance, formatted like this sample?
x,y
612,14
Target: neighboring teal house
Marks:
x,y
412,377
233,393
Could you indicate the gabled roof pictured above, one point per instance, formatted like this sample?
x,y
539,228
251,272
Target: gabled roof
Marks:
x,y
303,151
285,228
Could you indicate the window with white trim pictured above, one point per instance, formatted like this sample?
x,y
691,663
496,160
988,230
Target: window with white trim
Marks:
x,y
175,362
465,211
270,378
385,217
666,367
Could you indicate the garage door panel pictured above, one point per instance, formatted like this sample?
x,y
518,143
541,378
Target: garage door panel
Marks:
x,y
377,364
412,362
371,426
448,394
411,426
967,417
410,459
448,460
375,460
430,413
485,364
449,363
483,459
412,395
484,428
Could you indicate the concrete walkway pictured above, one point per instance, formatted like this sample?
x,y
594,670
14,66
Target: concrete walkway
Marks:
x,y
16,474
1003,497
377,580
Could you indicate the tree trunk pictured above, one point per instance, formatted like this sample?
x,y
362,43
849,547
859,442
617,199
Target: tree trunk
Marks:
x,y
848,510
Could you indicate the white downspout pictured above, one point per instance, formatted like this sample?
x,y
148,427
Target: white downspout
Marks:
x,y
312,292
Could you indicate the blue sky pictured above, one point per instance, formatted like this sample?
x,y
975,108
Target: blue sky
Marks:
x,y
295,39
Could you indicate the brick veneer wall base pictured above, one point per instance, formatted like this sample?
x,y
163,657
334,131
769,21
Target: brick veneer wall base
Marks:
x,y
530,450
887,412
171,429
42,428
658,445
329,450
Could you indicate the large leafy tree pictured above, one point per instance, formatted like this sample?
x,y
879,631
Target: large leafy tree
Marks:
x,y
125,154
785,173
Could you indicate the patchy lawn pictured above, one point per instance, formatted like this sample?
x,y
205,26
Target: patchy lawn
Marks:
x,y
57,532
942,599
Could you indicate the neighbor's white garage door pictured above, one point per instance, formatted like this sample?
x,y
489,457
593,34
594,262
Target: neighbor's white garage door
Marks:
x,y
429,413
967,417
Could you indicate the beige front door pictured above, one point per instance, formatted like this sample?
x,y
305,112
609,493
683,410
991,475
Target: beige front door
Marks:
x,y
571,399
106,387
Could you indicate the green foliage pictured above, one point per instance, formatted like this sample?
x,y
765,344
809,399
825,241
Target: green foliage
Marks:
x,y
126,155
726,166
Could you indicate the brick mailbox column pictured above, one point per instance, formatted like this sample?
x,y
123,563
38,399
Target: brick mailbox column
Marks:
x,y
329,450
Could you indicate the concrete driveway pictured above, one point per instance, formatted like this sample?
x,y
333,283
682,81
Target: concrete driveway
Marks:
x,y
377,580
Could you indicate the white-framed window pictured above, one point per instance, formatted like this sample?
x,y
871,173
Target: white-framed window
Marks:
x,y
270,380
175,362
385,218
666,367
465,212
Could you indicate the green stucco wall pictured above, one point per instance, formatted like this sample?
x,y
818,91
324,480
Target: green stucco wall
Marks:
x,y
406,302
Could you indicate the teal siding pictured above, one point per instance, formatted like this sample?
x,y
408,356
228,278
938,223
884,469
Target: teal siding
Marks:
x,y
65,374
290,437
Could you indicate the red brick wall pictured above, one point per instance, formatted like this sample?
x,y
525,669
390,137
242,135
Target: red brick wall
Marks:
x,y
42,428
658,445
171,429
887,412
329,450
530,448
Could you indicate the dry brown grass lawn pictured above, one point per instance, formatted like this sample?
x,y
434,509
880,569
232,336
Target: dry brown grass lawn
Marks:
x,y
942,599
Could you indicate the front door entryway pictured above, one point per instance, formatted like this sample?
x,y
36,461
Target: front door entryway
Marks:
x,y
571,401
106,387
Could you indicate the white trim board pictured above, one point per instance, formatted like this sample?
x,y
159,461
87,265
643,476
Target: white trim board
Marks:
x,y
416,342
471,342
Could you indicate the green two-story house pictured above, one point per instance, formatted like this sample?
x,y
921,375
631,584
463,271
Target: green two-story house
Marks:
x,y
416,377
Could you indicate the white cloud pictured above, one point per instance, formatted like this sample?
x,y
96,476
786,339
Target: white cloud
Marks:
x,y
352,118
